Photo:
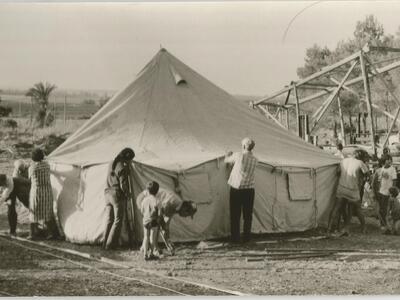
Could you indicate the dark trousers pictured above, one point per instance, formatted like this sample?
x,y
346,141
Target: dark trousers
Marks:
x,y
383,202
241,200
114,215
21,191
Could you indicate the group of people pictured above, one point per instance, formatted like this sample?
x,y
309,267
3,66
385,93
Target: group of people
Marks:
x,y
158,205
30,183
354,174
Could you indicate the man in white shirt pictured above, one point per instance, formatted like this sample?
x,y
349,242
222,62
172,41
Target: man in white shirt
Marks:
x,y
387,175
242,182
351,183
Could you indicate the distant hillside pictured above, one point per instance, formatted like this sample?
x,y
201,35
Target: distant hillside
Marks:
x,y
73,96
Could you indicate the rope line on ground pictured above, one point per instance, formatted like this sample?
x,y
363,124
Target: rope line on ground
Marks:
x,y
7,294
91,267
118,264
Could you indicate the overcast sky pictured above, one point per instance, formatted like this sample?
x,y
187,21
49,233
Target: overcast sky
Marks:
x,y
239,46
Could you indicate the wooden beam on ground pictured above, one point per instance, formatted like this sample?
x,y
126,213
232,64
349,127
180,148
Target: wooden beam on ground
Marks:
x,y
311,77
368,98
269,115
333,95
341,120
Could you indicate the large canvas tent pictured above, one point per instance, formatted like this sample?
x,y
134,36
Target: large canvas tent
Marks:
x,y
180,126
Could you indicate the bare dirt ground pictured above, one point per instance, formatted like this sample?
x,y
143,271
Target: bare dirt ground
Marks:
x,y
366,264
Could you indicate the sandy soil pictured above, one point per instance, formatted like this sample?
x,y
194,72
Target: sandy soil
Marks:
x,y
366,264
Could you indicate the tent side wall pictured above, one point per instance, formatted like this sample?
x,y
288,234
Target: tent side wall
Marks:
x,y
288,200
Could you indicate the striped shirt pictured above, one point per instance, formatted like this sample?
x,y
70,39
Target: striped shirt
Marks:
x,y
41,195
244,166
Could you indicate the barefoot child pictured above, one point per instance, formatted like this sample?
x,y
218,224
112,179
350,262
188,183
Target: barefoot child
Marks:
x,y
169,204
394,211
150,220
387,176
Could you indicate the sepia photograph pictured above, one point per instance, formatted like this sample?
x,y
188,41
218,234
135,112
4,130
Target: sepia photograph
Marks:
x,y
200,148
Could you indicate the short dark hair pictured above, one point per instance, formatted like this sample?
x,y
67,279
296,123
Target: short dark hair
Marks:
x,y
339,146
127,153
37,154
188,209
153,187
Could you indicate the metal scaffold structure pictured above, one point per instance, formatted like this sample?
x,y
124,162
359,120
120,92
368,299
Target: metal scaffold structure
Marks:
x,y
279,111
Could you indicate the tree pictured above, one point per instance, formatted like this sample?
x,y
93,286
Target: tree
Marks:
x,y
317,57
40,93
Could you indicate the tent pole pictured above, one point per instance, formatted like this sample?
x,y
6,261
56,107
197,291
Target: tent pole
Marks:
x,y
368,98
333,95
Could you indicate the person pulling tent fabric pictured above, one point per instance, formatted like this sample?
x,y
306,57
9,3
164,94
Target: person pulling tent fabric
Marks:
x,y
116,192
242,183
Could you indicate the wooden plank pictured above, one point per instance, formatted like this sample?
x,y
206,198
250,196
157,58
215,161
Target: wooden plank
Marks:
x,y
287,97
287,120
269,115
368,98
333,95
391,126
297,109
351,82
345,87
387,49
380,77
323,71
341,120
394,97
384,112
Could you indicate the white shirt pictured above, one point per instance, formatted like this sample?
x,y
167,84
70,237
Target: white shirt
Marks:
x,y
243,171
351,177
387,176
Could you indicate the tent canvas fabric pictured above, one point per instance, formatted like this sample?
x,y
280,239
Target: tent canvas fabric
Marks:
x,y
180,126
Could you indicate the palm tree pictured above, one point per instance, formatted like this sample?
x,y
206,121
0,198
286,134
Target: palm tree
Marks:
x,y
40,93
